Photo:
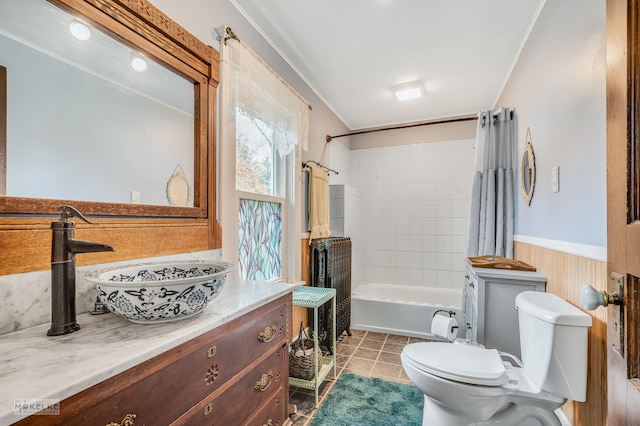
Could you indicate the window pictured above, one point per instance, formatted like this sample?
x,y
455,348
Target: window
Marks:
x,y
256,159
260,240
264,125
259,183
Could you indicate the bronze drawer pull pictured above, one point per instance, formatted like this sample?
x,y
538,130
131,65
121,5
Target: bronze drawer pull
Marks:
x,y
211,352
208,408
127,421
264,382
268,334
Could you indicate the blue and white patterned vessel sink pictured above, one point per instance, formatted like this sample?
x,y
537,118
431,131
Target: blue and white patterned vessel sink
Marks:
x,y
160,291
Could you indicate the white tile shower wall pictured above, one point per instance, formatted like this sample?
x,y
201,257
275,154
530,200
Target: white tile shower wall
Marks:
x,y
352,228
413,212
336,210
345,221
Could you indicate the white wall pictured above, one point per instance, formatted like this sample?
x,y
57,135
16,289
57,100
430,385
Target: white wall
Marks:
x,y
558,90
413,211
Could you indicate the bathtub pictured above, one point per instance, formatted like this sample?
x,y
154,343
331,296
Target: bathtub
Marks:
x,y
402,309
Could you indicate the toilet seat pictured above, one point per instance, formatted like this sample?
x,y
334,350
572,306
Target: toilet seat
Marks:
x,y
462,363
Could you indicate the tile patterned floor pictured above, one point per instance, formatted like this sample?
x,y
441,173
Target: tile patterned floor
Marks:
x,y
365,353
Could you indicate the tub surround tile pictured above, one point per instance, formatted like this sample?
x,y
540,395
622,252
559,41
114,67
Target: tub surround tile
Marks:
x,y
425,197
37,366
27,297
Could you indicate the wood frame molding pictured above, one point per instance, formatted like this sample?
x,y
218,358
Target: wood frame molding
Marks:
x,y
3,130
134,230
632,288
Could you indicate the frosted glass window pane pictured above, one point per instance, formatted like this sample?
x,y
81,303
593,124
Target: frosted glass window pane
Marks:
x,y
259,240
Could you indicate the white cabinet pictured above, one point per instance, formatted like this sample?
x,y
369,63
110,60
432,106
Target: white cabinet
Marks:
x,y
489,305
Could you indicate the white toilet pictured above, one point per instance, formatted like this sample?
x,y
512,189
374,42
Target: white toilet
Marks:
x,y
469,385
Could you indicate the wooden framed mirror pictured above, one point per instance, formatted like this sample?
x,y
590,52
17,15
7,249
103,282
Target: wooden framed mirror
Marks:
x,y
135,230
3,129
527,171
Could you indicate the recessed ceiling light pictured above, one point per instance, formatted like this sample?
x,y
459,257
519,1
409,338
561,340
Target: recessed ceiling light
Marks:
x,y
80,30
409,90
138,63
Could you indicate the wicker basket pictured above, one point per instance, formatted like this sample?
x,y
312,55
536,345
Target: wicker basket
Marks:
x,y
301,357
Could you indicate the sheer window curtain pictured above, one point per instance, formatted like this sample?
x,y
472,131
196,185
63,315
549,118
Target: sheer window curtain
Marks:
x,y
491,218
261,93
249,84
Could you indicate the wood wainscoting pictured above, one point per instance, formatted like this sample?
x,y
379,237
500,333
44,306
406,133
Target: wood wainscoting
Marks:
x,y
566,273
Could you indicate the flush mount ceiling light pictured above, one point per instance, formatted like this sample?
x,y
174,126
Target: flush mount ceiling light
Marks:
x,y
138,63
80,30
409,90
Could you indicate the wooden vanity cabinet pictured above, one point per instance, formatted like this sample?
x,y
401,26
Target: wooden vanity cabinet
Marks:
x,y
233,374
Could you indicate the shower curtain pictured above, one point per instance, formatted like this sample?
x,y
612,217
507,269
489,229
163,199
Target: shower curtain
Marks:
x,y
491,218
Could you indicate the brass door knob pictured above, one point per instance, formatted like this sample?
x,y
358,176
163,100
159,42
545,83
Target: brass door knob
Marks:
x,y
590,298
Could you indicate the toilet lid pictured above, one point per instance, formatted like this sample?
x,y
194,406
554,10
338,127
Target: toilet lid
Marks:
x,y
462,363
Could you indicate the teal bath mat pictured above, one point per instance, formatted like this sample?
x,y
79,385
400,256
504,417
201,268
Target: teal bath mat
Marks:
x,y
367,401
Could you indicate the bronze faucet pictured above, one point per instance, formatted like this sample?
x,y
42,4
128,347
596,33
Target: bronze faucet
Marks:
x,y
63,271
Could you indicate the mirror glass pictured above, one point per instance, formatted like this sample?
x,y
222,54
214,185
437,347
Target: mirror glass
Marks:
x,y
527,173
82,124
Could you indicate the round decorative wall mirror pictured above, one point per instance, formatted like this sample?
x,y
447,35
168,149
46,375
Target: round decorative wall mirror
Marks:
x,y
527,170
178,188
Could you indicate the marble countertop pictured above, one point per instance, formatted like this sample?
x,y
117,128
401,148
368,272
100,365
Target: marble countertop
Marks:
x,y
35,366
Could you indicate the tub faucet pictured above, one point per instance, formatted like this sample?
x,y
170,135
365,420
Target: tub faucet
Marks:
x,y
63,270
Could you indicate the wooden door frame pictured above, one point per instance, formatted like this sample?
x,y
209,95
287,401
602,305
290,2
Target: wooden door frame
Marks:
x,y
623,208
3,130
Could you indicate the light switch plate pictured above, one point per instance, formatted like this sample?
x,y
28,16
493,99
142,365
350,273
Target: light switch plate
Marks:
x,y
555,179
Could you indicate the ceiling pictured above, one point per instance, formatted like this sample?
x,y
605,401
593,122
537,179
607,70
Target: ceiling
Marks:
x,y
352,52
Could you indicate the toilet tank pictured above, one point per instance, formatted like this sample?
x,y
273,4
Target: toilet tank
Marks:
x,y
554,343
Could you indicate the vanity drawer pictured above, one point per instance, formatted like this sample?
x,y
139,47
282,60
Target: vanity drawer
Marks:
x,y
220,358
274,413
257,388
222,354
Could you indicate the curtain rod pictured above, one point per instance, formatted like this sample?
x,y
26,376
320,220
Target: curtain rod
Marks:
x,y
406,126
325,168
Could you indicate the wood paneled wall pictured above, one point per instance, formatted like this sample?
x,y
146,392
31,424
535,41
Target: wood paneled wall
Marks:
x,y
566,273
